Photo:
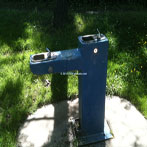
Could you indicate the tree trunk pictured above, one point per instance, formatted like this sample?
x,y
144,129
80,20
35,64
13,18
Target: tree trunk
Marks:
x,y
60,13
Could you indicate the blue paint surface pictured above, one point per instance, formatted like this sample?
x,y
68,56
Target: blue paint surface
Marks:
x,y
91,86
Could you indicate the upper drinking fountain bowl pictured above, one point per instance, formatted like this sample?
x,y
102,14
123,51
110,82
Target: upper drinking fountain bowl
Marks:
x,y
92,38
88,38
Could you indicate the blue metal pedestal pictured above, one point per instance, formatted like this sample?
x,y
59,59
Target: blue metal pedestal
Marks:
x,y
90,59
89,139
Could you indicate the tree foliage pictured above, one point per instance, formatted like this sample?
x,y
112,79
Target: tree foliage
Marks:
x,y
78,2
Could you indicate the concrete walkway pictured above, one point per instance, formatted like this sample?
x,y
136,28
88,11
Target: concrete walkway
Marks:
x,y
49,125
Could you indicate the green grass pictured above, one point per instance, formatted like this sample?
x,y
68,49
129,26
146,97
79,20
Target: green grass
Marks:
x,y
23,33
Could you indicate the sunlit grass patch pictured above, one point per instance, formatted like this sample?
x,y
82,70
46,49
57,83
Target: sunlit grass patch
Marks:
x,y
136,93
79,23
7,139
143,48
115,81
4,48
30,40
72,85
112,40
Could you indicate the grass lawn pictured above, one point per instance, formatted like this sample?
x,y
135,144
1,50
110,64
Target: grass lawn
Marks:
x,y
23,33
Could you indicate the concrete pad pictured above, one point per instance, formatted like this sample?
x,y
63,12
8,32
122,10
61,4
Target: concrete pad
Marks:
x,y
49,125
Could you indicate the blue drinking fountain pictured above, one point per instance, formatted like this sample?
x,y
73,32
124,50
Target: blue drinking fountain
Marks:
x,y
90,59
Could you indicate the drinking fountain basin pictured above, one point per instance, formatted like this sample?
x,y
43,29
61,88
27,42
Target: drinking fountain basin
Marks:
x,y
53,62
43,57
92,38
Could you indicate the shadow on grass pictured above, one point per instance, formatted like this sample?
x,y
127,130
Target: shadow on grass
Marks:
x,y
12,27
20,30
10,95
59,93
59,87
12,111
